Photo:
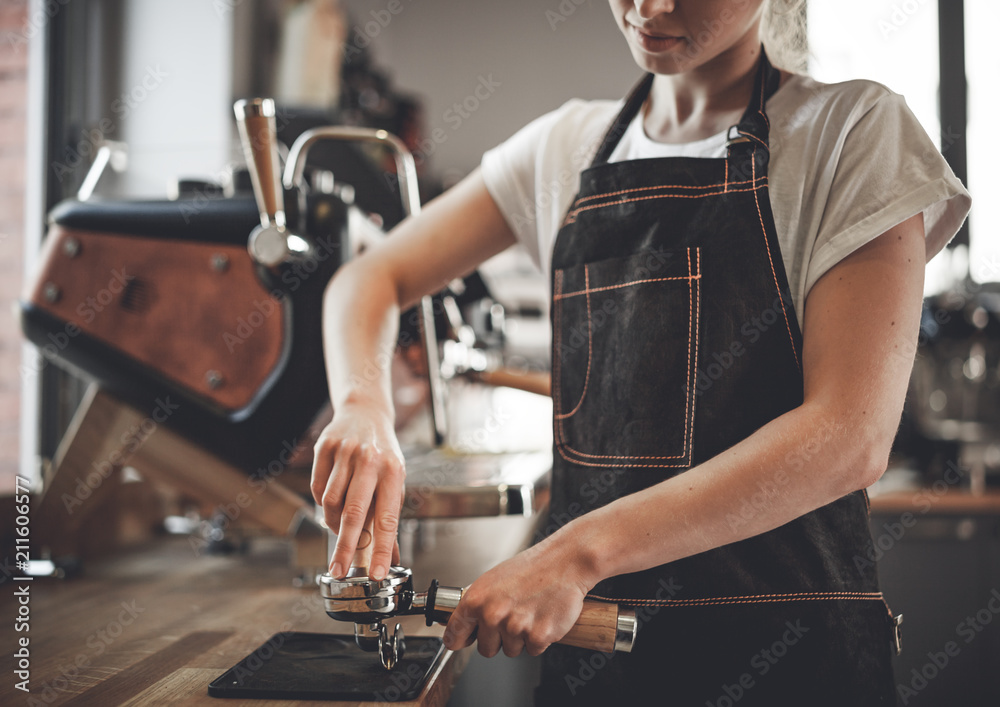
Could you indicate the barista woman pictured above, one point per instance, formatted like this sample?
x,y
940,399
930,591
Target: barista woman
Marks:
x,y
736,262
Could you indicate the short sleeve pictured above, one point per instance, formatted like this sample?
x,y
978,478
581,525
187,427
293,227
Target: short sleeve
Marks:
x,y
509,172
533,175
888,170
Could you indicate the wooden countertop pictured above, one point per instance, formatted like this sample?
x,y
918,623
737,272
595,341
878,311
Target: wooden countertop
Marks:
x,y
155,625
931,500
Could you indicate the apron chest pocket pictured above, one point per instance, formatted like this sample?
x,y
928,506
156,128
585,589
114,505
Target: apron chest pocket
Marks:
x,y
624,359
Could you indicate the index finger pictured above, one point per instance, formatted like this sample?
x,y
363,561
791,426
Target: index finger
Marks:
x,y
461,630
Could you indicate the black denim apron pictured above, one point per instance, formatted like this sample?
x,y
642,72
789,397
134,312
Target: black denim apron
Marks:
x,y
674,338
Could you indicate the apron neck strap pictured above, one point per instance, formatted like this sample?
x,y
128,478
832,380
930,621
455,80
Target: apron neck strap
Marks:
x,y
753,126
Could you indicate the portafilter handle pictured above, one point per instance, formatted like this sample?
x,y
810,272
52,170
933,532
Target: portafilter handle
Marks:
x,y
602,626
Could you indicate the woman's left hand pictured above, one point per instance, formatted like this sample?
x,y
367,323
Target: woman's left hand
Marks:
x,y
526,603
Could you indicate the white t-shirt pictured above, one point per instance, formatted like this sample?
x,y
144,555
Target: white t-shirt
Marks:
x,y
848,162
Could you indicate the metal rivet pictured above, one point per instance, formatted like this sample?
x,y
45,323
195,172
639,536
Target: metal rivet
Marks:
x,y
51,292
214,379
71,247
220,262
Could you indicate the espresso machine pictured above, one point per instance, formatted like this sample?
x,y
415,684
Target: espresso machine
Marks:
x,y
358,599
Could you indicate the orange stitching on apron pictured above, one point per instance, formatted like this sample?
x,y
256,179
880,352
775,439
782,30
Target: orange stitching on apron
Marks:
x,y
580,462
661,186
625,284
557,353
590,347
767,246
697,337
750,599
571,216
688,405
868,503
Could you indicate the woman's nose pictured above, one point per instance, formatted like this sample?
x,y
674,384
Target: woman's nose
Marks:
x,y
648,9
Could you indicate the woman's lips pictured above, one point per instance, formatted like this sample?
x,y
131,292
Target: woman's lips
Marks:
x,y
655,43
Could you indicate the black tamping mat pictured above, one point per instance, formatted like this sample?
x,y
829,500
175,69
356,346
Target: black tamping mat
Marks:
x,y
318,666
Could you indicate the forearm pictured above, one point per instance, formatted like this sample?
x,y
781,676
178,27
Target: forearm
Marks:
x,y
448,239
791,466
860,331
360,325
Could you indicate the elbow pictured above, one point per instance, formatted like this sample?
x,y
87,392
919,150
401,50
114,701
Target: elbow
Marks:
x,y
855,450
870,468
869,461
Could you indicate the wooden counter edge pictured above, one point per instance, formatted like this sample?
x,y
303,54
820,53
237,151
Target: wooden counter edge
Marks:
x,y
930,501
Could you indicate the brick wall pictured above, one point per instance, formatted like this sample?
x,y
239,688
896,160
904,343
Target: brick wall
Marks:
x,y
13,101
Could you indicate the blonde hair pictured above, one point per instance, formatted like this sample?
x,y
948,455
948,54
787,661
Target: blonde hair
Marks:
x,y
783,31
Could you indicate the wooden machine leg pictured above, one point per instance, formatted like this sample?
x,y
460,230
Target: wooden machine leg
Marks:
x,y
107,434
84,473
169,458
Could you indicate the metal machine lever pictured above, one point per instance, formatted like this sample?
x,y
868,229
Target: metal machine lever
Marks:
x,y
259,135
271,244
406,174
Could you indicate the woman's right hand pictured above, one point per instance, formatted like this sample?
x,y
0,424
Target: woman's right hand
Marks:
x,y
358,467
357,477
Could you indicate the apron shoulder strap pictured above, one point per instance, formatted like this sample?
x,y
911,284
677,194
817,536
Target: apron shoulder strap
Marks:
x,y
753,123
633,102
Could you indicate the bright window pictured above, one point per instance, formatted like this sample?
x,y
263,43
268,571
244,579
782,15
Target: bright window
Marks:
x,y
895,43
982,67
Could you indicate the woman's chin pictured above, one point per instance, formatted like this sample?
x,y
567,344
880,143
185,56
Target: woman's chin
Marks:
x,y
673,63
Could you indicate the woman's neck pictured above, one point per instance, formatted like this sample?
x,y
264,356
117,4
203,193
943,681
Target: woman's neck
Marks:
x,y
705,100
